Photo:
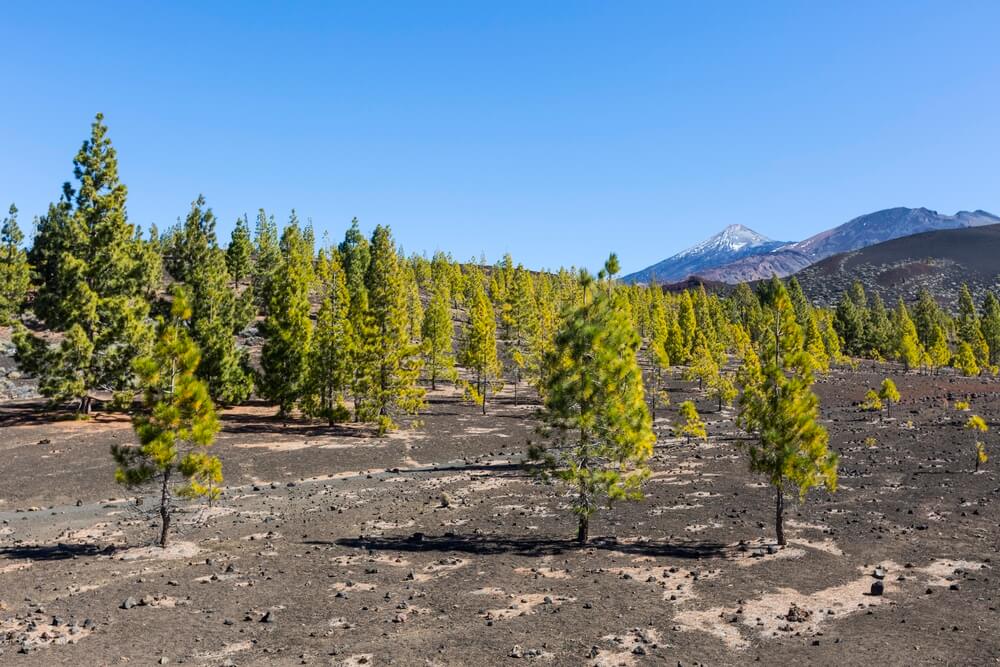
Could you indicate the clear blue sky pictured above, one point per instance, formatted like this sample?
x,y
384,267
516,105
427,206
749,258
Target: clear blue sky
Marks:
x,y
554,131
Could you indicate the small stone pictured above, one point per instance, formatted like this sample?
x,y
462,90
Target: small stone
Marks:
x,y
268,617
877,587
128,603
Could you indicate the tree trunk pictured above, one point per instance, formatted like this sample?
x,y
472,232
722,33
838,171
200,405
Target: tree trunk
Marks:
x,y
86,404
583,529
484,397
165,509
779,519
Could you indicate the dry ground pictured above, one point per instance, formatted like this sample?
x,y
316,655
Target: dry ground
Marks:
x,y
331,547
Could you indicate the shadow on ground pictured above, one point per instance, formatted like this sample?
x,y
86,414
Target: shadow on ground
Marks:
x,y
527,546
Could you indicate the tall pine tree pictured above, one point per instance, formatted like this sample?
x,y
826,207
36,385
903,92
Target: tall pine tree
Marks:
x,y
92,284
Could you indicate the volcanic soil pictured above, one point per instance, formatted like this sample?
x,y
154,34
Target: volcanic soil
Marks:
x,y
432,546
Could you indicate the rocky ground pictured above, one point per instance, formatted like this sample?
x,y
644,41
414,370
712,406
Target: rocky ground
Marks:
x,y
432,547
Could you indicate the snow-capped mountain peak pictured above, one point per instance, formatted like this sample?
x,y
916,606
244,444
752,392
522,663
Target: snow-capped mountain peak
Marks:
x,y
733,238
734,242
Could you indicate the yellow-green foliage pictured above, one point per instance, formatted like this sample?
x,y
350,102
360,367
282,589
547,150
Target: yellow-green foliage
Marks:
x,y
872,402
976,423
178,423
871,441
888,393
691,425
594,407
962,405
965,360
981,456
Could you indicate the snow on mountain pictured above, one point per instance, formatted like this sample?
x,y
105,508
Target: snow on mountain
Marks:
x,y
732,243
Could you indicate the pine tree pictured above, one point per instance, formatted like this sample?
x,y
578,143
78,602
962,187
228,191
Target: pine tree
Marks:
x,y
938,352
687,325
783,412
659,332
594,408
969,329
965,360
394,368
239,254
217,313
15,276
907,344
889,394
850,320
287,328
329,374
92,284
991,327
523,316
977,425
178,423
815,344
691,424
267,258
479,346
439,332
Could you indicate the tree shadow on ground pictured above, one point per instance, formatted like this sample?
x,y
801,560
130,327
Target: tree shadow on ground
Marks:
x,y
527,546
48,552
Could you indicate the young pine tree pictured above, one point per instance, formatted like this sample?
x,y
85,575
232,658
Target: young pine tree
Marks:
x,y
393,360
977,425
691,424
479,346
782,411
439,332
15,275
594,408
523,324
889,395
92,284
178,423
907,345
329,374
288,328
239,254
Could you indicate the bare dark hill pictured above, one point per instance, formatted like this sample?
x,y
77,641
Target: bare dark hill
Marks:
x,y
939,261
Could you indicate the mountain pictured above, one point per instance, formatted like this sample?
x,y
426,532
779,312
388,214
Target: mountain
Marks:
x,y
892,223
939,261
732,243
786,259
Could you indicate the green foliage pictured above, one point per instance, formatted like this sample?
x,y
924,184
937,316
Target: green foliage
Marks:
x,y
287,328
872,402
92,274
691,425
331,354
267,258
217,312
594,409
783,412
962,405
888,393
15,276
239,254
478,351
965,360
439,331
392,361
178,423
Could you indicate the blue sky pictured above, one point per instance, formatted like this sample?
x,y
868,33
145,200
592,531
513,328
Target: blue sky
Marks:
x,y
555,131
